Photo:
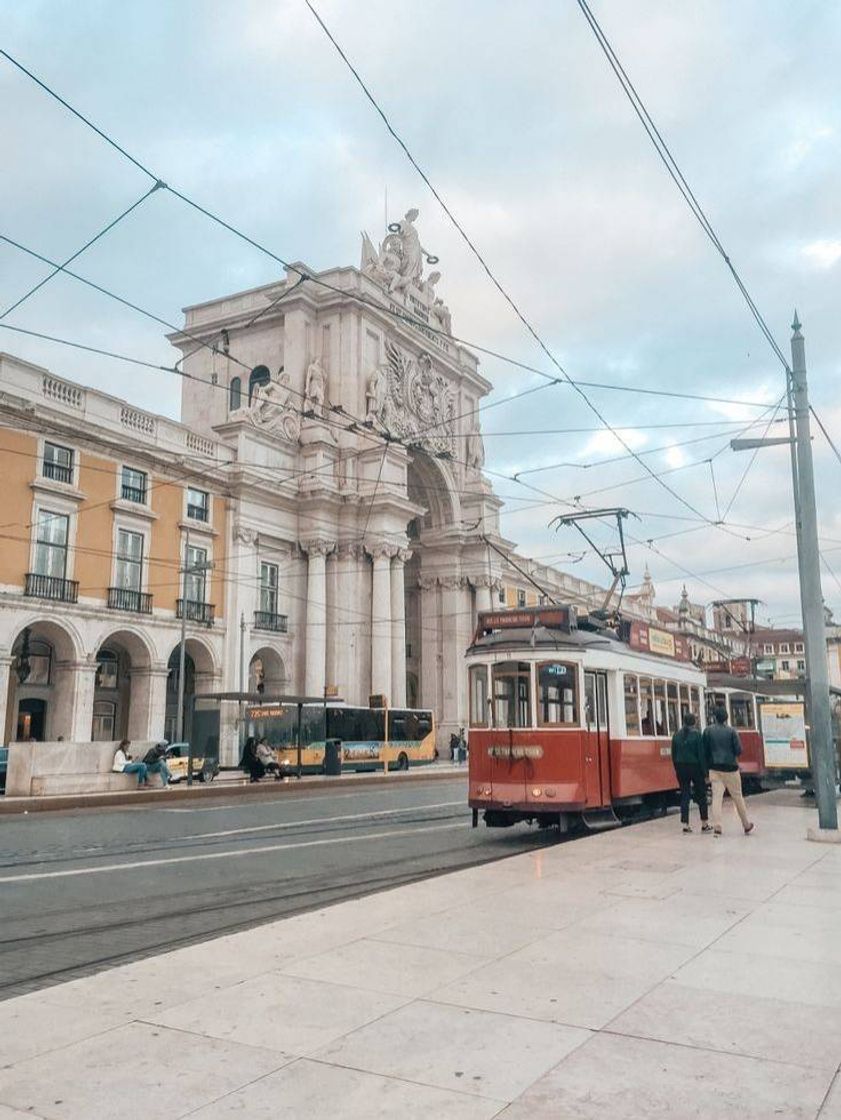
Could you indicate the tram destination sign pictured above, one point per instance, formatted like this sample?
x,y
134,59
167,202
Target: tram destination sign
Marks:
x,y
555,618
648,639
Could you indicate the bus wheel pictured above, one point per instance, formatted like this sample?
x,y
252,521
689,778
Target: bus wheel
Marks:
x,y
402,761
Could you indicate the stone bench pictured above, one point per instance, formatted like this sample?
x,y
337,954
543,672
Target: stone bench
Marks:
x,y
44,769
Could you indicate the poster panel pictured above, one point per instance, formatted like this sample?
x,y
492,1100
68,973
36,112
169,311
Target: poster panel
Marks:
x,y
784,735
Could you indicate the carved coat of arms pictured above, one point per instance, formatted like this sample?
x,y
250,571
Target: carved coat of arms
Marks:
x,y
409,399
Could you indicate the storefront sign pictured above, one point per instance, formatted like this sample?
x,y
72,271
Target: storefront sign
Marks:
x,y
784,735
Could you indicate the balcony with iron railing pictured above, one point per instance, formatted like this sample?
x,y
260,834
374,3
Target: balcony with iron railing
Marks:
x,y
133,494
58,472
51,587
269,620
125,599
195,611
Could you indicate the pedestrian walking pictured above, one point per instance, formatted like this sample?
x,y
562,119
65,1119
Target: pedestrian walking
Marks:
x,y
722,748
124,764
688,761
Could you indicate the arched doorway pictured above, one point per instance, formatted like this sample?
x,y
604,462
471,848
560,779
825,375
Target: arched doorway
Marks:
x,y
266,672
199,674
42,685
120,702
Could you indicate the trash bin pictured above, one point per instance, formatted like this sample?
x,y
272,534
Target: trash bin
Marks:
x,y
333,756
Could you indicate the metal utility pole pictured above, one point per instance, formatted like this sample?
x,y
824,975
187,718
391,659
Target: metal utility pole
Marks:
x,y
182,650
819,715
811,595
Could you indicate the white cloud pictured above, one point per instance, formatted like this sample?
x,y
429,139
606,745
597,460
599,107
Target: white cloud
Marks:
x,y
823,253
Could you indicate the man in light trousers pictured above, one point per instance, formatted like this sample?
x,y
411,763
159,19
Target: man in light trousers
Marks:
x,y
721,752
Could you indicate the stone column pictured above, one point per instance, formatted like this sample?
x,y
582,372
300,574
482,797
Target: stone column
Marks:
x,y
398,629
72,701
456,629
5,677
316,629
484,593
381,554
348,619
429,636
147,706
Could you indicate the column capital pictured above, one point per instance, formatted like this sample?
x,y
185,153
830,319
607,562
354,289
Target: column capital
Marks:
x,y
453,583
379,550
350,550
318,546
403,555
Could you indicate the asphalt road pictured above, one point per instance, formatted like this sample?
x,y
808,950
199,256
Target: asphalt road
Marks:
x,y
80,891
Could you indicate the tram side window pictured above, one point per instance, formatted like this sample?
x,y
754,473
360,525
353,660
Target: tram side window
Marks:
x,y
647,705
715,700
695,704
741,711
479,696
683,693
632,705
512,694
557,694
672,707
660,724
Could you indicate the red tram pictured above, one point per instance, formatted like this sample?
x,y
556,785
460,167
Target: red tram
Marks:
x,y
742,700
571,722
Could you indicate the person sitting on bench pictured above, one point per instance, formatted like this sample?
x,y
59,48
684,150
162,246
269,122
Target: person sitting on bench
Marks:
x,y
124,764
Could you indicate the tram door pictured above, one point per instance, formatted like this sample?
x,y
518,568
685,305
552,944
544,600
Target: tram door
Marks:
x,y
597,745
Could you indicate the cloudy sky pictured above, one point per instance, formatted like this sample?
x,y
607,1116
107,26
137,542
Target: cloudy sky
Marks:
x,y
515,116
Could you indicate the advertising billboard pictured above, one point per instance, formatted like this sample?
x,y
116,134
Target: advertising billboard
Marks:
x,y
783,728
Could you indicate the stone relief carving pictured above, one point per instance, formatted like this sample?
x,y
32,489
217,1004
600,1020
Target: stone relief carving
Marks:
x,y
410,400
318,546
271,408
244,534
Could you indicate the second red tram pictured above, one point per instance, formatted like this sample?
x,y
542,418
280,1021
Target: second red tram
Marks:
x,y
570,722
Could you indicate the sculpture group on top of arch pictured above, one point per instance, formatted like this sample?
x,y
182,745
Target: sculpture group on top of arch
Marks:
x,y
397,266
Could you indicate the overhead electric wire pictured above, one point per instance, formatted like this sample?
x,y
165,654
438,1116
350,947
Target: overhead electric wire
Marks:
x,y
669,162
61,267
752,460
826,434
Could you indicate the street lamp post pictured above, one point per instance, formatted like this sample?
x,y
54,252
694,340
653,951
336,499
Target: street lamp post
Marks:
x,y
822,758
187,570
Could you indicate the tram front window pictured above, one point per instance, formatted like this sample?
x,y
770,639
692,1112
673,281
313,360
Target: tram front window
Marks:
x,y
512,694
741,712
556,694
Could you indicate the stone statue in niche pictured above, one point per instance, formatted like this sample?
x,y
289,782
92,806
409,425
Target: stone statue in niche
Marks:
x,y
375,392
316,388
475,449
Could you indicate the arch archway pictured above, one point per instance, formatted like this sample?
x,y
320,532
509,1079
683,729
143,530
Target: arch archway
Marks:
x,y
430,485
200,673
260,375
42,689
121,694
266,672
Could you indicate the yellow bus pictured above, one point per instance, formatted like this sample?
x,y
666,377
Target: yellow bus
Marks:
x,y
371,738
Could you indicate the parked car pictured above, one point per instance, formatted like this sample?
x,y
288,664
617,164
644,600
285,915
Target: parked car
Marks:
x,y
204,769
4,765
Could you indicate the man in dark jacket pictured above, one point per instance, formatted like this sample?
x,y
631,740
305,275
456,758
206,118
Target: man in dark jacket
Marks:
x,y
721,756
688,761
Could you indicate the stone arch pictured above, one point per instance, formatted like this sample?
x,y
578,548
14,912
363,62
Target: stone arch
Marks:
x,y
122,686
44,687
267,669
430,484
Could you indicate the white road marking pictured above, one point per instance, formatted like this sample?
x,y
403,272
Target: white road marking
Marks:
x,y
224,855
302,796
317,820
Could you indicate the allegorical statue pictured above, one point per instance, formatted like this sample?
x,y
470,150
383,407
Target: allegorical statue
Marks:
x,y
316,388
270,407
475,449
375,393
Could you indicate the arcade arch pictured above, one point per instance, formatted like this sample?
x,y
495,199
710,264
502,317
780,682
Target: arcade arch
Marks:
x,y
41,693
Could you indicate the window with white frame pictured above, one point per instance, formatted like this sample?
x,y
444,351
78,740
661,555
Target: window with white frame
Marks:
x,y
52,532
268,588
784,647
801,666
767,648
58,462
521,598
196,558
785,666
133,485
129,570
798,647
501,596
198,504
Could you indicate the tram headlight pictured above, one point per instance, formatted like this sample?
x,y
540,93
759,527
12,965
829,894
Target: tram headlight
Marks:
x,y
536,792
